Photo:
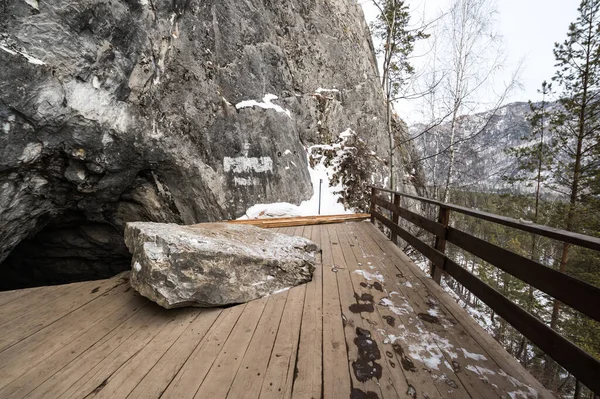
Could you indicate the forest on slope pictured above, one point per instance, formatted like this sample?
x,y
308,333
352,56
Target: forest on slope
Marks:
x,y
537,161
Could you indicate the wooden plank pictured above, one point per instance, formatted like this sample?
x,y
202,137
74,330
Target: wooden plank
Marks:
x,y
194,371
349,216
550,232
162,373
308,379
34,376
486,341
12,295
249,378
404,375
508,366
576,293
280,371
449,339
46,313
336,373
301,220
14,309
120,383
353,322
220,377
37,347
76,369
120,352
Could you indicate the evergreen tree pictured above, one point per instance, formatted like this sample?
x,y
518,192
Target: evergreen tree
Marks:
x,y
576,124
397,43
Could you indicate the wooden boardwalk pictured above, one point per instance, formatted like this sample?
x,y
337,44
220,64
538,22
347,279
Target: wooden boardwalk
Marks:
x,y
369,325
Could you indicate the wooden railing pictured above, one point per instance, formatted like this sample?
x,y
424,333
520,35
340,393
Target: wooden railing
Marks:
x,y
576,293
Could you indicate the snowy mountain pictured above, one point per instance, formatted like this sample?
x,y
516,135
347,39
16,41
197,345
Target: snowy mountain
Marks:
x,y
480,159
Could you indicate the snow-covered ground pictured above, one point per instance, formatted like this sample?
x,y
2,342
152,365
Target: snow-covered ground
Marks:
x,y
320,176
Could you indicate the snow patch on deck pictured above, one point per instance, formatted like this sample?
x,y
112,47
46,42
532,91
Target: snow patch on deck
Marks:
x,y
371,276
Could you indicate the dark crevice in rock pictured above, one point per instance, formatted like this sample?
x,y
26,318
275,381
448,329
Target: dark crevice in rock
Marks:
x,y
68,249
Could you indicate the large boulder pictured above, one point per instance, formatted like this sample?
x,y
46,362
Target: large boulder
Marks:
x,y
214,264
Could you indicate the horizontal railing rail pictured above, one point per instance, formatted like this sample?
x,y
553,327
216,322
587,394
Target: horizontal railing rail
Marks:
x,y
576,293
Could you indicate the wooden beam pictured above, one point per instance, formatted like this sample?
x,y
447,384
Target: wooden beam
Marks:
x,y
416,219
576,293
429,252
550,232
302,220
440,245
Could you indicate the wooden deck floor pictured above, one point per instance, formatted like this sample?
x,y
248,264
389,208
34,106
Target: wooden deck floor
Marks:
x,y
369,325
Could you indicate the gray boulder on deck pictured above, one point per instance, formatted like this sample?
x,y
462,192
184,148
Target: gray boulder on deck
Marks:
x,y
214,264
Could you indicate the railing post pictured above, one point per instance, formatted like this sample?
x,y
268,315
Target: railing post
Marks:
x,y
440,244
373,194
395,218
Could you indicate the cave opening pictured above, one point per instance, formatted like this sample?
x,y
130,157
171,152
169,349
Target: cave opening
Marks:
x,y
68,249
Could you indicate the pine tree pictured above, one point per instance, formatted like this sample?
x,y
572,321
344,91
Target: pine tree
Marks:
x,y
575,139
397,43
576,129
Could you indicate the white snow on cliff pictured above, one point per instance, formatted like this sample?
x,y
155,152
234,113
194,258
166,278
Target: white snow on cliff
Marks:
x,y
267,103
320,176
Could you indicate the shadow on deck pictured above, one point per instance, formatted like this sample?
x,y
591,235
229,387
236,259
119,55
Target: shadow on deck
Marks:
x,y
369,325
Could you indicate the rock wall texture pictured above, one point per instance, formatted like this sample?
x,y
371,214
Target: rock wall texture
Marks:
x,y
142,110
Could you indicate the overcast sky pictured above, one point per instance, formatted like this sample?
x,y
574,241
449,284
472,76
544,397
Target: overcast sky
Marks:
x,y
529,29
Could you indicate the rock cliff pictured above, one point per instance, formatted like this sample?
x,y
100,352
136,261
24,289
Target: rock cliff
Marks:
x,y
183,111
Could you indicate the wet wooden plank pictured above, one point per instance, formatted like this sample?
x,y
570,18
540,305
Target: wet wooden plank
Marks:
x,y
482,372
401,329
353,323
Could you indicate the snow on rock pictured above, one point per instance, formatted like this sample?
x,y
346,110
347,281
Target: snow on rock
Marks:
x,y
31,59
267,103
276,210
248,164
321,176
321,90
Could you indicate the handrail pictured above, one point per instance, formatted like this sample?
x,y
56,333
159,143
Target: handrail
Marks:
x,y
576,293
561,235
